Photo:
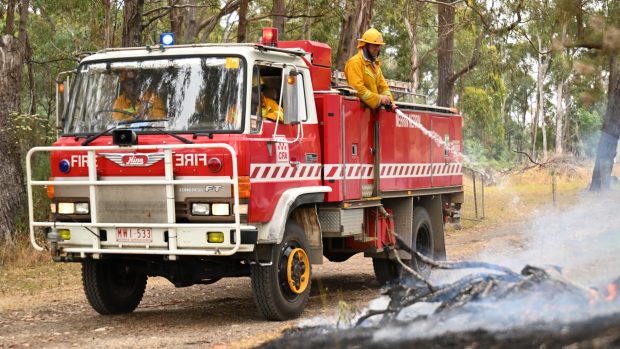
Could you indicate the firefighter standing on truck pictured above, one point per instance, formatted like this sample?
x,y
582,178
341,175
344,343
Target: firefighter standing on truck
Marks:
x,y
129,107
363,71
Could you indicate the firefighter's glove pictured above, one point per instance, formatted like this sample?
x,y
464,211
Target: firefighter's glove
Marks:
x,y
391,107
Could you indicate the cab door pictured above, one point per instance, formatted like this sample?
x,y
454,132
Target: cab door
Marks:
x,y
283,154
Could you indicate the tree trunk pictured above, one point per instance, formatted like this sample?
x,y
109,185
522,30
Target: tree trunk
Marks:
x,y
12,55
445,50
132,23
9,27
176,21
190,29
608,143
559,119
356,21
242,28
279,15
107,23
412,33
306,32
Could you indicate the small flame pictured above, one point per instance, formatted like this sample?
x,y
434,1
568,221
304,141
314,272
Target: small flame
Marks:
x,y
612,292
594,296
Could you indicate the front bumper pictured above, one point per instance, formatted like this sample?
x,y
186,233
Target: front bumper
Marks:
x,y
179,240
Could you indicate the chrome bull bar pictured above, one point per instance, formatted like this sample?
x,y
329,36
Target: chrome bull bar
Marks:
x,y
169,182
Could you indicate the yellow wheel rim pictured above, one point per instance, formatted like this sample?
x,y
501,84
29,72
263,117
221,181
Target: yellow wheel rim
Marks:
x,y
298,271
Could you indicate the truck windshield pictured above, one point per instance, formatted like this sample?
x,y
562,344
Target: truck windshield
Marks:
x,y
192,94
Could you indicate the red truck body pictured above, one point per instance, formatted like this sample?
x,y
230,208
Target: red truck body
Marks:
x,y
339,180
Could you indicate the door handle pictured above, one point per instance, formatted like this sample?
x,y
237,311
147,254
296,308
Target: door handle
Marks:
x,y
294,163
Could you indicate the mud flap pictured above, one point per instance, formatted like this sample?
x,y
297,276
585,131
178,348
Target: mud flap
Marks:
x,y
308,219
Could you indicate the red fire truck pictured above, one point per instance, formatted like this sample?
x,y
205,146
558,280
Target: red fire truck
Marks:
x,y
165,167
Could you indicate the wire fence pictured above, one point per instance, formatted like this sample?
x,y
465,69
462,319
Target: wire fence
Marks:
x,y
473,186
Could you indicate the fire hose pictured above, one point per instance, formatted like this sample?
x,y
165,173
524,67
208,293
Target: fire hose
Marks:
x,y
400,244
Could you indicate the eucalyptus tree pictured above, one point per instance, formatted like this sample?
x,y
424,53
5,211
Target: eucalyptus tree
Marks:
x,y
594,26
14,52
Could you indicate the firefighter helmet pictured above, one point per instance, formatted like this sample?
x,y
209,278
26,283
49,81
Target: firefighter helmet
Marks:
x,y
371,36
128,75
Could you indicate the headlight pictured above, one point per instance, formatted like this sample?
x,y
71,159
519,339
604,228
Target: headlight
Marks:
x,y
66,208
73,208
220,209
200,209
243,209
81,208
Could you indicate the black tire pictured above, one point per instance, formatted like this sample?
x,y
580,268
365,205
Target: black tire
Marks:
x,y
112,286
422,240
385,269
281,292
338,257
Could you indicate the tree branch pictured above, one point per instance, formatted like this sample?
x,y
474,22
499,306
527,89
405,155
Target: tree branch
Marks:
x,y
452,4
475,58
170,8
502,30
209,23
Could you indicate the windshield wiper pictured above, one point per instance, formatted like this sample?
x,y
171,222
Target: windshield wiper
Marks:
x,y
150,121
128,122
184,140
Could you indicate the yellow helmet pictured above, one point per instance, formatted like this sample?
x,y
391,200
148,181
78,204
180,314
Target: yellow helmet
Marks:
x,y
371,36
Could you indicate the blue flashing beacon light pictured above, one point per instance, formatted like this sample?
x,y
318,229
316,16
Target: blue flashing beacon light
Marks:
x,y
166,39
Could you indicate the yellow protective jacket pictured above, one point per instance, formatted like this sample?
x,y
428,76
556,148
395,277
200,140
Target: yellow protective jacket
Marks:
x,y
367,80
270,109
148,106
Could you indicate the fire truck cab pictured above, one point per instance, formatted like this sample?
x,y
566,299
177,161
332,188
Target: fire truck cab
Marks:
x,y
199,162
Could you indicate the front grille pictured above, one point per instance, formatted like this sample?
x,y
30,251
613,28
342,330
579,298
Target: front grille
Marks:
x,y
131,204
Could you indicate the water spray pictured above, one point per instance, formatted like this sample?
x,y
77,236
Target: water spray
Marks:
x,y
432,135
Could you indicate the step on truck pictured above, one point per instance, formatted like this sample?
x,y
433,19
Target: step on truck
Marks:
x,y
165,165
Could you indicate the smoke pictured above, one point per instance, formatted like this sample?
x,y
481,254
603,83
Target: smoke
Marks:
x,y
582,242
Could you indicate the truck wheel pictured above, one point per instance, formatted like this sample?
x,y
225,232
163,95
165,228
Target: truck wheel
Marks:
x,y
112,286
281,290
385,270
422,239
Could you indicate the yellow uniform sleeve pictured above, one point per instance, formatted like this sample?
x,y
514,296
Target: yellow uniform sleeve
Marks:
x,y
382,86
270,110
354,72
154,104
122,103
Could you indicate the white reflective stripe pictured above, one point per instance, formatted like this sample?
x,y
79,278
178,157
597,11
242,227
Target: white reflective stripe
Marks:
x,y
285,172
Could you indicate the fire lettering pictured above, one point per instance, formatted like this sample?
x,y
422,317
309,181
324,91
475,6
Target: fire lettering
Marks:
x,y
190,159
79,160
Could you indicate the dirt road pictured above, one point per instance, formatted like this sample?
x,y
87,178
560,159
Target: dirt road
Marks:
x,y
46,307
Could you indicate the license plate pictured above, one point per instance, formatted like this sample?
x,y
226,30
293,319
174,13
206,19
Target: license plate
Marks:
x,y
134,235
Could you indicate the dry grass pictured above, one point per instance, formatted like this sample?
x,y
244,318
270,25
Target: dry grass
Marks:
x,y
20,254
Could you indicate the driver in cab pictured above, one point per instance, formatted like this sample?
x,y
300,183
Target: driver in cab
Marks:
x,y
269,107
128,106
